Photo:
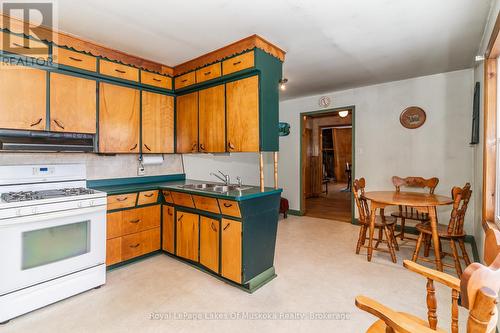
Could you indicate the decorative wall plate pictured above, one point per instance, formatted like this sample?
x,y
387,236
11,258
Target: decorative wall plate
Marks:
x,y
412,117
284,129
324,101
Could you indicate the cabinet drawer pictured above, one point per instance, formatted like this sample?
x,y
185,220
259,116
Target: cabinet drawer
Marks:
x,y
118,70
156,80
147,197
206,203
140,219
140,243
113,251
229,207
185,80
167,196
208,73
23,46
182,199
246,60
74,59
113,225
121,201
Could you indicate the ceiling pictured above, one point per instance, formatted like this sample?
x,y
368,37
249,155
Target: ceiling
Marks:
x,y
331,44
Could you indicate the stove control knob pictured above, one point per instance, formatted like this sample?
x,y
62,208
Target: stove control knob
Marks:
x,y
18,212
92,203
80,204
34,210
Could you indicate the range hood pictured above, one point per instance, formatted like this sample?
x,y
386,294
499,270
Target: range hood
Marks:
x,y
12,140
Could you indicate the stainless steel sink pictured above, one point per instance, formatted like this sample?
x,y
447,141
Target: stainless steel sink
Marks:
x,y
213,187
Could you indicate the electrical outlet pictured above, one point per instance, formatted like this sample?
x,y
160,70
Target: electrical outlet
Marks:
x,y
141,171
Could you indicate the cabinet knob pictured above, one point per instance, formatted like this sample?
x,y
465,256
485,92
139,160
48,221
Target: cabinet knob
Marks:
x,y
202,146
133,147
120,71
135,221
134,246
146,146
180,218
194,147
230,146
75,59
227,226
213,227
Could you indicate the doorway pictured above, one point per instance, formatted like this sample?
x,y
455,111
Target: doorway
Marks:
x,y
327,164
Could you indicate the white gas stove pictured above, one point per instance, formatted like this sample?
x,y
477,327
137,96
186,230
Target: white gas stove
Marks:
x,y
52,236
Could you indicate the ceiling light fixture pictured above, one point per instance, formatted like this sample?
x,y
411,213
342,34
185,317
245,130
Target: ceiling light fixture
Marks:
x,y
283,82
343,114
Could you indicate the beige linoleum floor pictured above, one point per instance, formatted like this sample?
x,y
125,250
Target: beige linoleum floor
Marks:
x,y
317,272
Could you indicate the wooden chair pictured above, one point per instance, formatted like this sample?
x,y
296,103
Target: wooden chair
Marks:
x,y
384,224
409,213
453,232
478,289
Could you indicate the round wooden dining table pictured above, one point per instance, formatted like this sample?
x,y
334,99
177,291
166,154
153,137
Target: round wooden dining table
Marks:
x,y
422,202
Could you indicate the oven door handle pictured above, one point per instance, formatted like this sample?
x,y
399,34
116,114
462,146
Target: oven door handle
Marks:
x,y
37,218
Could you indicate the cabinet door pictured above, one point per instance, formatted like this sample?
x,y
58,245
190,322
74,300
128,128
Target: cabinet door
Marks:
x,y
231,250
72,104
242,112
168,229
113,251
187,123
209,243
212,115
22,98
157,123
187,235
119,110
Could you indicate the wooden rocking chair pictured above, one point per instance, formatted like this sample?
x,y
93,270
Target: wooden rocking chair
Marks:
x,y
478,287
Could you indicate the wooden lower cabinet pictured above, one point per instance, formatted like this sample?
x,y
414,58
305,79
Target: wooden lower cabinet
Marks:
x,y
140,243
231,250
187,235
209,243
132,232
113,251
168,236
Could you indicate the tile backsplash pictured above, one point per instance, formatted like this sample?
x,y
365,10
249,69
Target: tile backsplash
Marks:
x,y
99,166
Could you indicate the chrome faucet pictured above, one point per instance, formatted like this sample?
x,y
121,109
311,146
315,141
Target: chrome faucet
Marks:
x,y
239,181
226,178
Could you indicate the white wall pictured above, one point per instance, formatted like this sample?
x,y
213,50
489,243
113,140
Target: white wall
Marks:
x,y
98,167
383,147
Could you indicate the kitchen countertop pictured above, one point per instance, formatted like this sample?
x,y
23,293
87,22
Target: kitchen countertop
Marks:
x,y
128,185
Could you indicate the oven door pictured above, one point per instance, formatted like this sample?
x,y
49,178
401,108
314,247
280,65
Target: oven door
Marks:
x,y
38,248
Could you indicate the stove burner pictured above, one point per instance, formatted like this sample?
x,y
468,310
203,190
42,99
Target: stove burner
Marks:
x,y
47,194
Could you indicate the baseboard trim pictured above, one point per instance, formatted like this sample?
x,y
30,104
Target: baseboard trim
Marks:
x,y
295,212
412,230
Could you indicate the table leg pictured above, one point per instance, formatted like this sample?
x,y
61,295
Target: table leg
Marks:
x,y
435,237
373,212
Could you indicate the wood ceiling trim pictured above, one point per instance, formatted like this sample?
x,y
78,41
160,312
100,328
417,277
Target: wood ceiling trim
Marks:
x,y
79,44
248,43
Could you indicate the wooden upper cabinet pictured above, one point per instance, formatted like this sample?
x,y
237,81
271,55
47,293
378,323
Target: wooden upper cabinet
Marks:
x,y
74,59
72,104
238,63
156,80
187,123
231,250
119,110
212,113
27,47
22,98
185,80
187,235
119,71
242,112
157,123
208,73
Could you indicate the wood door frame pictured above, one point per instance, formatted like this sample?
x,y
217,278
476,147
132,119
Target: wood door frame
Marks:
x,y
488,218
302,118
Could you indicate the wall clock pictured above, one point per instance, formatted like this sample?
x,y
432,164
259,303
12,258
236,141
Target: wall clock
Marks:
x,y
324,101
412,117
